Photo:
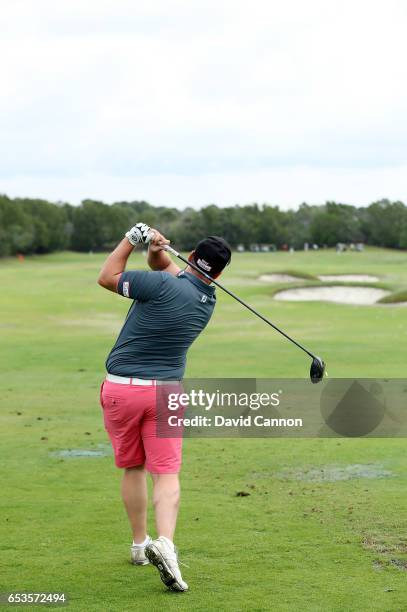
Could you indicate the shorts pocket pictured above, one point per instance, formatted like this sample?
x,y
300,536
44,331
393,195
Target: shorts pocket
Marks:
x,y
111,401
114,408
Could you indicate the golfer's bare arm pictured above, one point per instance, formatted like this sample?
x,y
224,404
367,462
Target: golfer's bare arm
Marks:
x,y
114,265
158,259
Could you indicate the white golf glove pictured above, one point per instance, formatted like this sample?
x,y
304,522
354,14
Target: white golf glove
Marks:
x,y
139,234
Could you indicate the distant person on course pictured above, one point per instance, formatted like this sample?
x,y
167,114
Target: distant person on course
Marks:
x,y
170,308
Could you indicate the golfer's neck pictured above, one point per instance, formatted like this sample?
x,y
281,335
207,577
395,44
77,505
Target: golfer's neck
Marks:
x,y
195,273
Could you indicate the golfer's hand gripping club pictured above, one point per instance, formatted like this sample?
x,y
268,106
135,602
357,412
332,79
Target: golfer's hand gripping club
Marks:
x,y
140,233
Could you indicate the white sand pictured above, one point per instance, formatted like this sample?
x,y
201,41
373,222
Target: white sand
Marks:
x,y
350,278
279,278
340,295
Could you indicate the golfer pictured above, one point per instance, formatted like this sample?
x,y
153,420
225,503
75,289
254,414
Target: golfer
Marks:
x,y
170,308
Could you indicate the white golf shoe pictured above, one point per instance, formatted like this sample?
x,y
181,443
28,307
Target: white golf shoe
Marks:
x,y
163,554
138,553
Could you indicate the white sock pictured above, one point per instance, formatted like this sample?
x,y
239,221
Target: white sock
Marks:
x,y
143,544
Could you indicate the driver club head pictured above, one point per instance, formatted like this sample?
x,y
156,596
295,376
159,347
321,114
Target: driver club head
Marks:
x,y
317,370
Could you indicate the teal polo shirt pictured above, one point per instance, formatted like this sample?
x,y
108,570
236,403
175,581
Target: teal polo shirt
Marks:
x,y
167,314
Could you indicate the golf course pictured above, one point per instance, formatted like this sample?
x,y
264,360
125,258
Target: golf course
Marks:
x,y
264,524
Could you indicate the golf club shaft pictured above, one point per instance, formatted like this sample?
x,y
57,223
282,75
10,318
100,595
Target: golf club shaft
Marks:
x,y
233,295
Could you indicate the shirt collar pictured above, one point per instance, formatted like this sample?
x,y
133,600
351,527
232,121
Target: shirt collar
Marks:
x,y
209,289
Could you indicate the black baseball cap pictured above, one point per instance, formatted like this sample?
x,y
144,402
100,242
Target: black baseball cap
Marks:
x,y
212,254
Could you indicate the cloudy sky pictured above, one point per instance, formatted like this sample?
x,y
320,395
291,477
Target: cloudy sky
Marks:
x,y
188,102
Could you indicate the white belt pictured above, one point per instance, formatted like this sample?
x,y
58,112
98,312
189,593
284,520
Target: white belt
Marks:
x,y
143,382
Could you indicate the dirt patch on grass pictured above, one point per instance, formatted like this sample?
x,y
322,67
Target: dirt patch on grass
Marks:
x,y
384,545
333,473
102,450
392,551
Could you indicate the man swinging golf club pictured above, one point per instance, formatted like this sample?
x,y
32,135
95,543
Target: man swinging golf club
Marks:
x,y
170,309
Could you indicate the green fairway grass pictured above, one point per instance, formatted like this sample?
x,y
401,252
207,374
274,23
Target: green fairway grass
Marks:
x,y
291,544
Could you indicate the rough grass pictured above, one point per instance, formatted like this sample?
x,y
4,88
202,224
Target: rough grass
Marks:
x,y
290,545
394,298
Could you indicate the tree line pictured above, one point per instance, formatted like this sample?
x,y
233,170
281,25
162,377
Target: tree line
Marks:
x,y
37,226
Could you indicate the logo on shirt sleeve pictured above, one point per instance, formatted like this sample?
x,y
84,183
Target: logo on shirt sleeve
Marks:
x,y
204,298
126,287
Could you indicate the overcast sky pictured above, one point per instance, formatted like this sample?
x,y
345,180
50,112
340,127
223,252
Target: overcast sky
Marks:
x,y
189,102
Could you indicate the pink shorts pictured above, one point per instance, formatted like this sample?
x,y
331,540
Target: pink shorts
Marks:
x,y
130,417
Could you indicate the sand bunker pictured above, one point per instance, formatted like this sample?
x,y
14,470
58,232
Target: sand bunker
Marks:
x,y
349,278
279,278
338,294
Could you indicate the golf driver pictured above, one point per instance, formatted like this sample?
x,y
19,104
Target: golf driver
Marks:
x,y
317,366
